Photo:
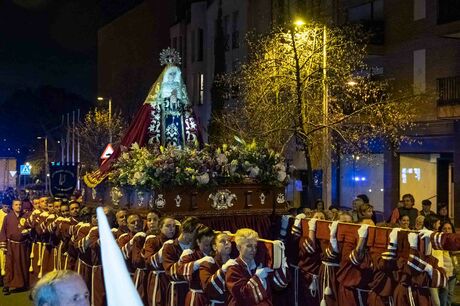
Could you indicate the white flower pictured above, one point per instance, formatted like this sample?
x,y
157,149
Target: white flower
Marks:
x,y
203,178
222,159
281,176
280,167
254,171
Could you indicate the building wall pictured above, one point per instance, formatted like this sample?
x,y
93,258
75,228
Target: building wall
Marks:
x,y
404,35
238,18
128,53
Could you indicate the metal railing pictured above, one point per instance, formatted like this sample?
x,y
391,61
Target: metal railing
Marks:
x,y
448,11
448,91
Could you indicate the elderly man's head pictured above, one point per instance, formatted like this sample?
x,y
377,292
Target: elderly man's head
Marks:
x,y
61,287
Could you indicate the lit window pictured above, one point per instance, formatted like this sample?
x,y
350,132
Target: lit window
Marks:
x,y
201,88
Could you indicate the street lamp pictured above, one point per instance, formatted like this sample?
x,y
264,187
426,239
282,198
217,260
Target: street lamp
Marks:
x,y
110,115
45,138
326,160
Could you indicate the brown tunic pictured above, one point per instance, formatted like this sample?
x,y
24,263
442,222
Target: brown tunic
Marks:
x,y
413,282
212,279
178,285
17,255
157,282
131,247
246,289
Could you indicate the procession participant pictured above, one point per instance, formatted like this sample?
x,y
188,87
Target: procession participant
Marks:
x,y
60,223
131,243
190,262
50,252
355,272
34,223
43,237
68,231
442,241
36,203
14,242
64,212
91,243
121,222
247,282
3,212
345,217
84,257
385,266
152,223
57,206
330,262
292,255
309,264
178,287
446,294
60,288
157,283
212,275
417,276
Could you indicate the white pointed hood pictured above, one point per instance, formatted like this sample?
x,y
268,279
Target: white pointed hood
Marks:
x,y
119,287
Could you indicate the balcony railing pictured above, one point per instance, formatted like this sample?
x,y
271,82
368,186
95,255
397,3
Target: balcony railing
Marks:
x,y
448,91
448,11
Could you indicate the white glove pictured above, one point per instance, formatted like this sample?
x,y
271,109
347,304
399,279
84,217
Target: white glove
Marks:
x,y
139,234
229,263
202,260
333,229
413,240
205,259
363,231
298,219
160,251
312,224
429,269
425,233
262,272
185,252
394,235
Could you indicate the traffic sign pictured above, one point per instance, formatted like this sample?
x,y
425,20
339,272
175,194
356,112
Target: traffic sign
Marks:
x,y
13,173
107,152
25,169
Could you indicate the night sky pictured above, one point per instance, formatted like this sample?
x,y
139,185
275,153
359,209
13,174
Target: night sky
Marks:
x,y
46,42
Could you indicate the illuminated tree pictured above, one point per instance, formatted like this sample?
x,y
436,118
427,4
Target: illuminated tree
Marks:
x,y
279,95
94,132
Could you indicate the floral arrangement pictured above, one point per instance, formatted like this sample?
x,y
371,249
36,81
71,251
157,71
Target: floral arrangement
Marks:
x,y
239,163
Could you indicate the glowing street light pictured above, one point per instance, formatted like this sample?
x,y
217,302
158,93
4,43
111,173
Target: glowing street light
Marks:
x,y
110,116
299,22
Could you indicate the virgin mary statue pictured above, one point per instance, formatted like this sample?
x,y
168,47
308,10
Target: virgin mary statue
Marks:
x,y
165,118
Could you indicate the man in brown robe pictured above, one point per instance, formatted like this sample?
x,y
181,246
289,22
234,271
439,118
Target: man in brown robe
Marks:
x,y
14,242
